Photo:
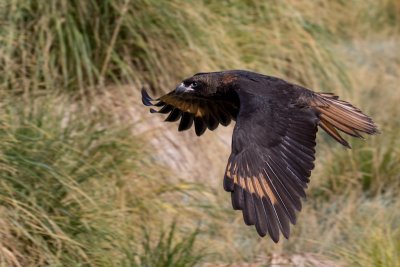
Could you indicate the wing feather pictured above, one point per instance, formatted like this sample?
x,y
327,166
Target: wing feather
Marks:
x,y
274,160
186,121
199,125
280,194
174,115
286,186
207,112
249,213
261,214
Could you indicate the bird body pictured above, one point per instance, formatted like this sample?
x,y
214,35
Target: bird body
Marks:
x,y
273,142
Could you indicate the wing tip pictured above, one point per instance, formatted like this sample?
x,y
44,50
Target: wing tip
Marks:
x,y
199,126
345,144
274,237
375,129
146,99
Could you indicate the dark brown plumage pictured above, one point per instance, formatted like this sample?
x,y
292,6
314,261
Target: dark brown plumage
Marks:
x,y
273,143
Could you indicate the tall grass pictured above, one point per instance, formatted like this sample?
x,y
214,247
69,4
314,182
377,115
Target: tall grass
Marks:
x,y
66,190
79,187
80,44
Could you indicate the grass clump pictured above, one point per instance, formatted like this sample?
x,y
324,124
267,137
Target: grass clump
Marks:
x,y
79,45
65,190
75,45
47,165
370,169
372,237
168,253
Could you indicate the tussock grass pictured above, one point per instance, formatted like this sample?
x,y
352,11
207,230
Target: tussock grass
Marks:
x,y
78,188
375,236
166,253
84,44
66,192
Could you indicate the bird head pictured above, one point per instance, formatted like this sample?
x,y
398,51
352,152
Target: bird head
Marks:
x,y
207,83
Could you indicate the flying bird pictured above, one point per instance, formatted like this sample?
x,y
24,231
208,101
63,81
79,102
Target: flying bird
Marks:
x,y
273,142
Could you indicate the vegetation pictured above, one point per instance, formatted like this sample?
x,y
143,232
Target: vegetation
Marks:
x,y
81,182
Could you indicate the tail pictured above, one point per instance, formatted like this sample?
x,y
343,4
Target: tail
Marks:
x,y
336,114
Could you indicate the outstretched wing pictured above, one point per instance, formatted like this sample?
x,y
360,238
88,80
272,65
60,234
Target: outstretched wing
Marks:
x,y
270,165
202,111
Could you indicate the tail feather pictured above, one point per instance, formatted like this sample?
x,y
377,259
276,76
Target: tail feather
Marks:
x,y
333,132
336,114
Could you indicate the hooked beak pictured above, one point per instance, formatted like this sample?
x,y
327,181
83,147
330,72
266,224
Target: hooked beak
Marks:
x,y
182,88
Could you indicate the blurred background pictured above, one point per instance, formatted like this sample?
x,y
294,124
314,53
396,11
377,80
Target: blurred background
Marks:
x,y
89,178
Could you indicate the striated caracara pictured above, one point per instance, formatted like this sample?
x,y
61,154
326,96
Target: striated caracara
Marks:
x,y
273,142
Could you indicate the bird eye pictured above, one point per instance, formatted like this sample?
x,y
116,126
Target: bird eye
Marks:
x,y
194,84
